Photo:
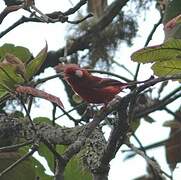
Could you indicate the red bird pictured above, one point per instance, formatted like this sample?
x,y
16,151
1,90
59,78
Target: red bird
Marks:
x,y
91,88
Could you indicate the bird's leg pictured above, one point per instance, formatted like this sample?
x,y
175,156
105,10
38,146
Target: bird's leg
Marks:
x,y
88,113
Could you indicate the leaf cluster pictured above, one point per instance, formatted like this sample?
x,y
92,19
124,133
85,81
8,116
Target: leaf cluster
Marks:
x,y
17,67
166,58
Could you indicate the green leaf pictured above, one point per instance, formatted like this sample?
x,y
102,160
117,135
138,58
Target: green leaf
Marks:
x,y
47,154
40,170
172,10
9,75
21,52
170,50
38,167
34,65
17,114
3,91
75,169
8,79
23,171
135,124
42,120
167,68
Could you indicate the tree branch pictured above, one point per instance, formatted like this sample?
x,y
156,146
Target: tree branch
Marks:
x,y
53,17
83,42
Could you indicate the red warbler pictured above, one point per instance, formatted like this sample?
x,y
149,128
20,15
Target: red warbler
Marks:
x,y
91,88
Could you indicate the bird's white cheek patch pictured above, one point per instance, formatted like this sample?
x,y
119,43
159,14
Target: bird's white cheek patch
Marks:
x,y
79,73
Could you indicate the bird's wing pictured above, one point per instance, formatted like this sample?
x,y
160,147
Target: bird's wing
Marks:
x,y
105,82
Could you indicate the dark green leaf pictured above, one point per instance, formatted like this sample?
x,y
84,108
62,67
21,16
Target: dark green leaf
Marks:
x,y
47,154
38,167
23,171
42,120
3,91
40,170
75,169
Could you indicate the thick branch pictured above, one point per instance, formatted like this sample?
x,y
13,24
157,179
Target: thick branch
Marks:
x,y
83,42
118,134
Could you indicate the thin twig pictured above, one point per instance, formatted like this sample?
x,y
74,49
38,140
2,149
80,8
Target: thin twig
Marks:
x,y
139,142
27,113
49,18
22,20
30,103
80,20
15,146
53,114
152,163
76,107
75,8
53,123
149,38
68,115
122,66
175,115
148,147
157,106
40,81
175,91
33,149
109,73
52,149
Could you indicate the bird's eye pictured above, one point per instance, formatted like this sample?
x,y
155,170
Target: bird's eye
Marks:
x,y
79,73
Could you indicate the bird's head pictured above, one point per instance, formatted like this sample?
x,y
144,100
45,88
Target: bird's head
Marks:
x,y
72,71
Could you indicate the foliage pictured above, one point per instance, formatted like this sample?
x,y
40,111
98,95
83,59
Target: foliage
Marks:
x,y
16,67
20,172
173,145
166,57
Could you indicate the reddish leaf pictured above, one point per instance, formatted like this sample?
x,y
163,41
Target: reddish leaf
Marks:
x,y
39,93
15,62
173,147
172,23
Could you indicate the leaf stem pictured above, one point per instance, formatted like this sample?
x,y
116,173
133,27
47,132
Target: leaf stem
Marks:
x,y
149,38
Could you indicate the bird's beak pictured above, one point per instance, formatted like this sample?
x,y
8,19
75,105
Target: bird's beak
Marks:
x,y
65,78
